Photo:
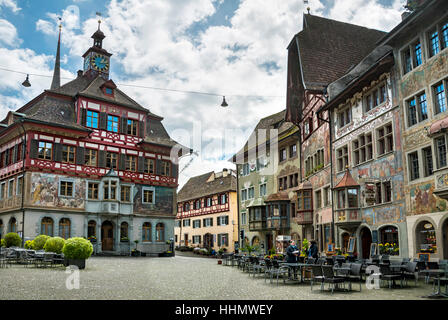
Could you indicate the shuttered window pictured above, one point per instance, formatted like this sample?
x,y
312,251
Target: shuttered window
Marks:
x,y
149,165
131,163
111,160
92,119
45,150
90,157
132,127
68,154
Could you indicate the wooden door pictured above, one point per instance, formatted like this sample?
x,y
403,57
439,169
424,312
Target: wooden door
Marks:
x,y
107,236
366,241
186,239
269,242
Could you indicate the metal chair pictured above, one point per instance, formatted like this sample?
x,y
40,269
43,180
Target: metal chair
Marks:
x,y
411,272
330,278
387,275
318,276
278,270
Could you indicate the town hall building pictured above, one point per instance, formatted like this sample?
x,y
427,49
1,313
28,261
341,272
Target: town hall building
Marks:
x,y
83,159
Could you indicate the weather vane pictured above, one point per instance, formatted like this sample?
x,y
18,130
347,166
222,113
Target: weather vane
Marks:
x,y
98,14
306,3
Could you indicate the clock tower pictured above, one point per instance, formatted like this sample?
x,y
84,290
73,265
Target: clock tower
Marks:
x,y
97,59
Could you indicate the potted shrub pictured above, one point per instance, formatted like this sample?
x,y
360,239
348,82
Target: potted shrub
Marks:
x,y
54,245
92,239
3,243
39,242
12,239
76,251
135,252
28,244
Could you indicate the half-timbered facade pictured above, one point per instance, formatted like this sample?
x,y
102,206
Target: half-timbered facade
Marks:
x,y
207,213
84,159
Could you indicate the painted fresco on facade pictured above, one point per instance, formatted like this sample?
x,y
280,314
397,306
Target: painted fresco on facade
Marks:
x,y
45,192
434,70
163,201
383,215
423,199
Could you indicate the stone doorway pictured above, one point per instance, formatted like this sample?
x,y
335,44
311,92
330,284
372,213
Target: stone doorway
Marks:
x,y
366,241
107,236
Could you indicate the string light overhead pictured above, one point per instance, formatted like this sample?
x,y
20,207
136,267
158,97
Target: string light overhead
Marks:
x,y
224,103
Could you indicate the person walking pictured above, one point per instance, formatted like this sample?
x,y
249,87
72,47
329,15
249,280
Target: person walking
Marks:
x,y
313,251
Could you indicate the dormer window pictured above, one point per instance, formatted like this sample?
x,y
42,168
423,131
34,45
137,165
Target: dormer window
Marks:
x,y
109,91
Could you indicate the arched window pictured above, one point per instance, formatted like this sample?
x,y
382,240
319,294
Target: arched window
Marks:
x,y
389,243
64,228
13,225
124,232
91,230
426,238
160,232
46,226
146,232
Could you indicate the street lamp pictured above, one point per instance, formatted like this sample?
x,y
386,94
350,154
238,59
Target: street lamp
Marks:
x,y
26,83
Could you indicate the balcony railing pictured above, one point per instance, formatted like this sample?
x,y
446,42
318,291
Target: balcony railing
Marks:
x,y
277,222
257,225
304,218
348,216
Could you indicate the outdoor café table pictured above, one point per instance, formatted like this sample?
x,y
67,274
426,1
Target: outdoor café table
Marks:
x,y
343,270
295,266
436,273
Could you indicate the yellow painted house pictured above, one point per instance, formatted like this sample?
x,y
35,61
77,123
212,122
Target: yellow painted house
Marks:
x,y
207,212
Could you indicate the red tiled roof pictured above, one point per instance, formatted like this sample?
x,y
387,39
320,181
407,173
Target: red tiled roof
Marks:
x,y
347,181
279,196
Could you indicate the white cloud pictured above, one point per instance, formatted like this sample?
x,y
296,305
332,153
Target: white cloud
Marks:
x,y
150,42
8,34
368,13
10,4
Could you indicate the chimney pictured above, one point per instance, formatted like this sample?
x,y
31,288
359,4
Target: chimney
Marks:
x,y
224,172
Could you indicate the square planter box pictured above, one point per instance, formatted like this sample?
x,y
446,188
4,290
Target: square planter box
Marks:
x,y
80,263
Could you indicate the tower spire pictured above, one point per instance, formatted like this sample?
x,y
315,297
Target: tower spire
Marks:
x,y
56,83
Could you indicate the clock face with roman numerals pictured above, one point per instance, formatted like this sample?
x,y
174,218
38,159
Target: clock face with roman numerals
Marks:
x,y
100,63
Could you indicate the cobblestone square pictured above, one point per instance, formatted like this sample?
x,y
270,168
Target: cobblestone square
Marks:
x,y
177,278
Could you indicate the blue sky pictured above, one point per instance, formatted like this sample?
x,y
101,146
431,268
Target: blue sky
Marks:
x,y
232,47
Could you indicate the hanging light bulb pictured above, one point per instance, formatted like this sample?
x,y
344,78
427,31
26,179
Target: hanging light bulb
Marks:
x,y
224,103
26,83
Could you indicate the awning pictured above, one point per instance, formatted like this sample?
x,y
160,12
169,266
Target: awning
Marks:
x,y
438,126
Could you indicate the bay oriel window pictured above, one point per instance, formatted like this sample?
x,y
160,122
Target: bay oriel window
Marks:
x,y
347,199
110,190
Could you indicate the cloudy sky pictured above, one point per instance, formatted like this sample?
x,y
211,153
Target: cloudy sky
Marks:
x,y
235,48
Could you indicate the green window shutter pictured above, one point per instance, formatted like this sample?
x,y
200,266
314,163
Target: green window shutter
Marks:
x,y
103,120
14,154
141,129
102,158
141,164
175,170
124,125
158,167
227,220
83,117
57,152
34,149
80,153
122,162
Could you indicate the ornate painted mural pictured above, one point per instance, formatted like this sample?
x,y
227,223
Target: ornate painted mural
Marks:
x,y
423,199
45,192
163,202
